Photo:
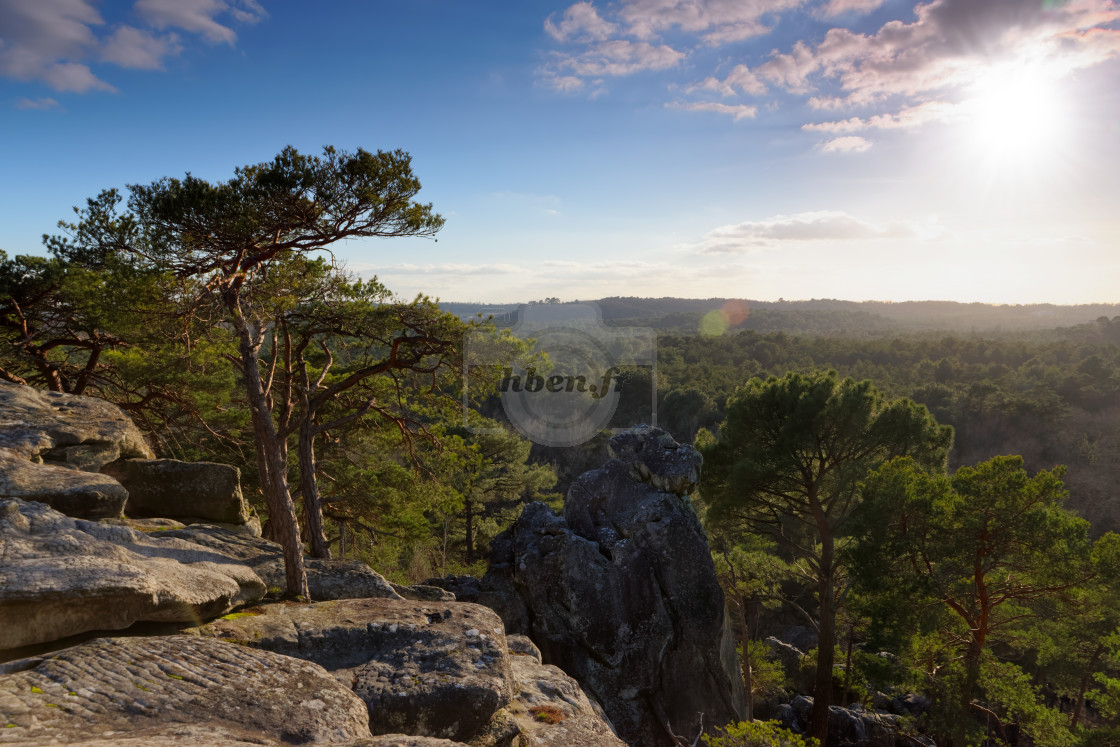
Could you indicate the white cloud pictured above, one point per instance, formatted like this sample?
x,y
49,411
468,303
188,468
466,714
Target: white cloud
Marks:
x,y
740,111
562,83
55,41
834,8
42,104
198,16
819,225
617,57
910,117
580,21
717,21
133,48
741,77
41,40
846,144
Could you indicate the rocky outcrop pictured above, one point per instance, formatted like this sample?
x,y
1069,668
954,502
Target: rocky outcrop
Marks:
x,y
855,726
621,593
52,445
158,689
326,579
61,576
191,491
439,670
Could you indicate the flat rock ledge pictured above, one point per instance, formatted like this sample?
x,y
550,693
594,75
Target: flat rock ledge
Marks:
x,y
437,670
156,690
61,576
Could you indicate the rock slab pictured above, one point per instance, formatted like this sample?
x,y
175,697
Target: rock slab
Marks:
x,y
428,669
45,437
169,488
61,576
155,690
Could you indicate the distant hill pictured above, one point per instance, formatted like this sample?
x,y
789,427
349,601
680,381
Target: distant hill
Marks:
x,y
827,317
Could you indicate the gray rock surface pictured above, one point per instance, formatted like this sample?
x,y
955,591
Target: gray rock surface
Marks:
x,y
550,709
428,669
424,593
86,495
152,690
61,576
326,579
854,726
194,491
46,436
621,593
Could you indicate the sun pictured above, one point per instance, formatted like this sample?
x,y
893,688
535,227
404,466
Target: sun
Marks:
x,y
1015,114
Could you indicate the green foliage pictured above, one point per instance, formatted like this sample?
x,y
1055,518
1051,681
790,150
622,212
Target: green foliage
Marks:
x,y
758,734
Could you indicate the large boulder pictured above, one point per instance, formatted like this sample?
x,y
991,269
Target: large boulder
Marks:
x,y
621,593
326,579
61,576
152,691
192,491
45,437
428,669
854,726
67,430
86,495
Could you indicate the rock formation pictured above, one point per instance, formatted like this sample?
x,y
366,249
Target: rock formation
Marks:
x,y
192,491
61,576
369,669
621,593
53,445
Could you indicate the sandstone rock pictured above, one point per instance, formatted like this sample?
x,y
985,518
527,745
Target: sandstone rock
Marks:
x,y
195,491
550,709
152,690
854,726
326,579
50,441
424,593
429,669
621,593
61,576
85,433
86,495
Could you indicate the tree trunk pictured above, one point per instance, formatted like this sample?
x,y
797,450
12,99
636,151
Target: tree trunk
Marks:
x,y
822,684
271,456
1083,686
467,510
748,667
309,487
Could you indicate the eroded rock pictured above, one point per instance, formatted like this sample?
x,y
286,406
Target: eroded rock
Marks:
x,y
550,709
193,491
61,576
45,437
621,593
204,691
428,669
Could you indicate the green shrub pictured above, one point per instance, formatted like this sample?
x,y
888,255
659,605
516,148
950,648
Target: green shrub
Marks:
x,y
758,734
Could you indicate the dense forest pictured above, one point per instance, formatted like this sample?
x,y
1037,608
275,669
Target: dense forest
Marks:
x,y
928,487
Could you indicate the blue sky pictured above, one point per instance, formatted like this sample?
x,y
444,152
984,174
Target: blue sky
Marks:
x,y
858,149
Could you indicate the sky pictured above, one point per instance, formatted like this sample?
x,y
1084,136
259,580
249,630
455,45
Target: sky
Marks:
x,y
961,150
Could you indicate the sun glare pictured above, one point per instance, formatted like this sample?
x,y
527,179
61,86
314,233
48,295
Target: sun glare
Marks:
x,y
1016,115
